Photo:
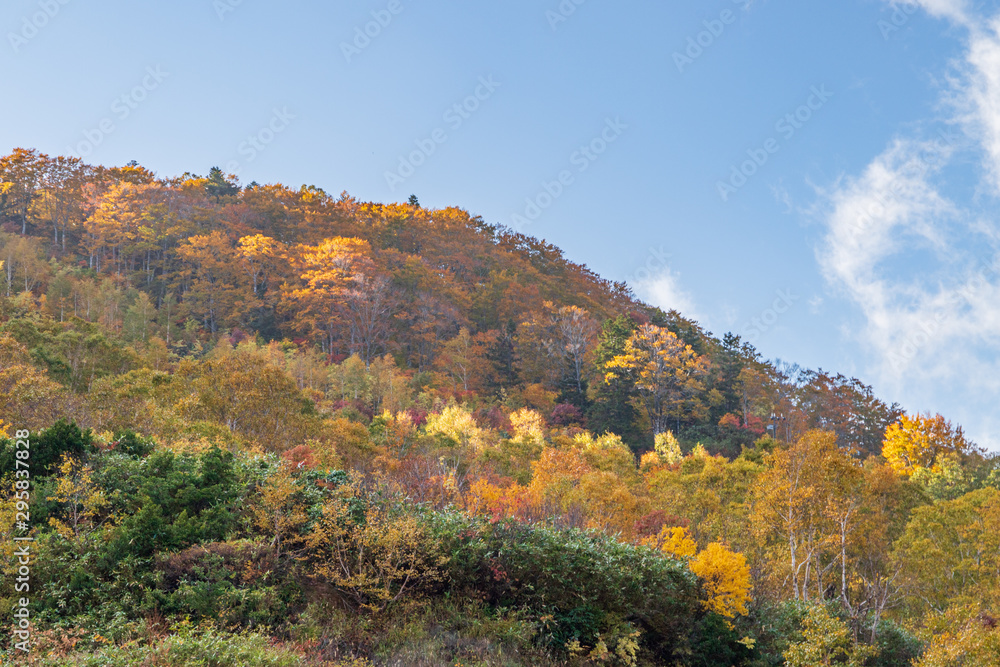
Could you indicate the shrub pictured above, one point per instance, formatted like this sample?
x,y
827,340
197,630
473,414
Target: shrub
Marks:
x,y
48,447
581,586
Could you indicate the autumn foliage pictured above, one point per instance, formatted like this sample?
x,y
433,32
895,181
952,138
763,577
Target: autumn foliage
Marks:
x,y
313,430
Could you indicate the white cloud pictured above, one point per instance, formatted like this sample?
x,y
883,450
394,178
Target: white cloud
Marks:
x,y
955,10
663,289
921,267
983,94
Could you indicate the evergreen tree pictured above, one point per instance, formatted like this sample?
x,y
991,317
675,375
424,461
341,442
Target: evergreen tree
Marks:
x,y
503,361
613,410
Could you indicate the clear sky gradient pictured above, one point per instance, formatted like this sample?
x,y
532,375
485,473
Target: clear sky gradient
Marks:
x,y
819,177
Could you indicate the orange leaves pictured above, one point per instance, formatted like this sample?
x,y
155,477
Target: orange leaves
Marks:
x,y
328,267
260,256
341,296
498,502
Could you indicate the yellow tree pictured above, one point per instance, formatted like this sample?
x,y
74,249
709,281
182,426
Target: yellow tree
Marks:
x,y
27,396
916,442
21,176
61,199
790,512
277,510
82,499
665,370
250,396
463,360
673,541
950,552
374,560
725,576
825,641
120,225
24,265
964,636
328,274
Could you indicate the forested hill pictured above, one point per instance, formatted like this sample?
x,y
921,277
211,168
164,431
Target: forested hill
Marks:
x,y
251,425
171,266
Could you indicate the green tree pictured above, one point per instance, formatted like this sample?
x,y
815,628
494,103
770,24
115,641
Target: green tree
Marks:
x,y
614,410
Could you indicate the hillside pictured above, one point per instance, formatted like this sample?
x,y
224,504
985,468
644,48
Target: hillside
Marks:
x,y
272,426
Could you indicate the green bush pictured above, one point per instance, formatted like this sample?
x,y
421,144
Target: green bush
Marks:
x,y
896,646
131,444
48,446
186,648
177,502
238,584
583,586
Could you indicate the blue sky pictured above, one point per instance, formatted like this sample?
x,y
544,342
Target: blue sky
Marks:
x,y
860,236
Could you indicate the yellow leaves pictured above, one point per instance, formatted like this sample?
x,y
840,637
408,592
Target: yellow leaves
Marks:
x,y
27,396
457,424
825,641
667,448
950,552
607,453
244,391
916,442
81,498
257,253
964,636
529,427
725,575
463,359
327,272
667,373
625,653
572,481
673,541
514,501
375,559
277,510
4,429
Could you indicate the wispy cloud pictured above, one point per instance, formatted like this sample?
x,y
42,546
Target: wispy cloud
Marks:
x,y
917,258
